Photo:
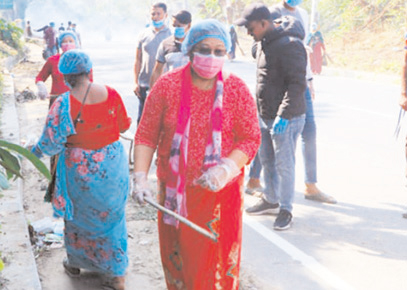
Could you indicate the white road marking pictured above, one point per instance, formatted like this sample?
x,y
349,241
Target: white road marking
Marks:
x,y
297,255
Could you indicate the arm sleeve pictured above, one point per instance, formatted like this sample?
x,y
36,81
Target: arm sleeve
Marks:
x,y
294,63
58,126
160,54
246,123
44,73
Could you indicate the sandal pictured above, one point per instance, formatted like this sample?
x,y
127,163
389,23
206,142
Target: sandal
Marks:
x,y
257,191
321,197
71,271
114,283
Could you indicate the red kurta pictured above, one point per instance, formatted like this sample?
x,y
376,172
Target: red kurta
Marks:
x,y
100,124
191,261
50,68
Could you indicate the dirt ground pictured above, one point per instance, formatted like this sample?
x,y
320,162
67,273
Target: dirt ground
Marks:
x,y
144,260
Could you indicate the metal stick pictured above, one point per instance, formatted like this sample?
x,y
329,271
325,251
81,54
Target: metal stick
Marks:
x,y
182,219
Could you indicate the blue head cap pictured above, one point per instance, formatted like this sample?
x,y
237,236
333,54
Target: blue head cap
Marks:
x,y
209,28
74,61
65,34
293,3
52,24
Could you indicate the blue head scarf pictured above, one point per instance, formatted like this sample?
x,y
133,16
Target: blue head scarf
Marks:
x,y
74,61
65,34
209,28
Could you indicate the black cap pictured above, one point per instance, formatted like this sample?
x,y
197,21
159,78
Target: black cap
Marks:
x,y
183,16
255,11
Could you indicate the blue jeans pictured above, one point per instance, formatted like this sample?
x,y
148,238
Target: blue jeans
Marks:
x,y
255,167
309,143
277,155
309,146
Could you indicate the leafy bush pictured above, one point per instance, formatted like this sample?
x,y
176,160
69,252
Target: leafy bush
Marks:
x,y
10,164
11,34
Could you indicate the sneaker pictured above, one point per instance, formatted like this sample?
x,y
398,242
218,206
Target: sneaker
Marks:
x,y
283,220
263,207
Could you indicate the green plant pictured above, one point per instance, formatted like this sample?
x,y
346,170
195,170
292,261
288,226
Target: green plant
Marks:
x,y
11,34
11,164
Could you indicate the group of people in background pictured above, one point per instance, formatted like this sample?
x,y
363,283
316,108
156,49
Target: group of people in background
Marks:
x,y
51,36
205,127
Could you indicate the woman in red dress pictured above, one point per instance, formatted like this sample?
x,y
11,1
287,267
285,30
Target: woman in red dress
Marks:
x,y
204,123
316,42
66,41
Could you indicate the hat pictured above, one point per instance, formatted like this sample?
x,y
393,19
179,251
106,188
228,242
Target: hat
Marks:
x,y
74,61
255,11
65,34
183,16
208,28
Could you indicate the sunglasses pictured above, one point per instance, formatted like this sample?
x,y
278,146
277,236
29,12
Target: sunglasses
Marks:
x,y
208,51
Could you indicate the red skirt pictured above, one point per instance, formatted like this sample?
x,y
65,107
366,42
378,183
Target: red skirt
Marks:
x,y
192,261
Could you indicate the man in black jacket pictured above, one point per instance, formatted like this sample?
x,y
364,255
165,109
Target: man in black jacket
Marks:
x,y
281,83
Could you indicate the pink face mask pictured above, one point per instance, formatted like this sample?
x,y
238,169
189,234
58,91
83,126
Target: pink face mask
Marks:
x,y
207,66
67,46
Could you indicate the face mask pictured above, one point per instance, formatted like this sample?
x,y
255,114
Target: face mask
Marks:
x,y
158,24
67,46
293,3
179,32
207,66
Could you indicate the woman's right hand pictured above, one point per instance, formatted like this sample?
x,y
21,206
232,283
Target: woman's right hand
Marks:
x,y
42,90
141,190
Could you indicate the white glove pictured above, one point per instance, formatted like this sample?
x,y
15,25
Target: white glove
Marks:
x,y
141,189
42,91
216,177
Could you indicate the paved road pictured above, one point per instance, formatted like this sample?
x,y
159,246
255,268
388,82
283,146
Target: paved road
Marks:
x,y
360,243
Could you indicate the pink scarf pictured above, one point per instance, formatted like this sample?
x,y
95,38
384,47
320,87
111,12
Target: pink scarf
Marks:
x,y
175,198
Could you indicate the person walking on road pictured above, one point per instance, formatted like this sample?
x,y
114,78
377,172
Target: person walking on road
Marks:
x,y
403,99
235,43
92,177
50,38
66,41
309,133
147,46
281,84
169,55
203,122
316,42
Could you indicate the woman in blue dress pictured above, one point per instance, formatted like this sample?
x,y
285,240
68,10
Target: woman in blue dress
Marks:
x,y
92,176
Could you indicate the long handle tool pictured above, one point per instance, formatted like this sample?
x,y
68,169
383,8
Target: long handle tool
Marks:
x,y
183,220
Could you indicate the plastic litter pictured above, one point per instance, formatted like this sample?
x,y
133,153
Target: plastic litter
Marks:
x,y
45,225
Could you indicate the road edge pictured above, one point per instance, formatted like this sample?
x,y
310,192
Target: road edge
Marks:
x,y
20,270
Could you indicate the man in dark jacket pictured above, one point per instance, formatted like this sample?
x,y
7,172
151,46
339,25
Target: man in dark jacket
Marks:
x,y
281,83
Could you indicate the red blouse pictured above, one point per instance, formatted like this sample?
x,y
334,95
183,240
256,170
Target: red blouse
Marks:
x,y
50,68
240,127
100,124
